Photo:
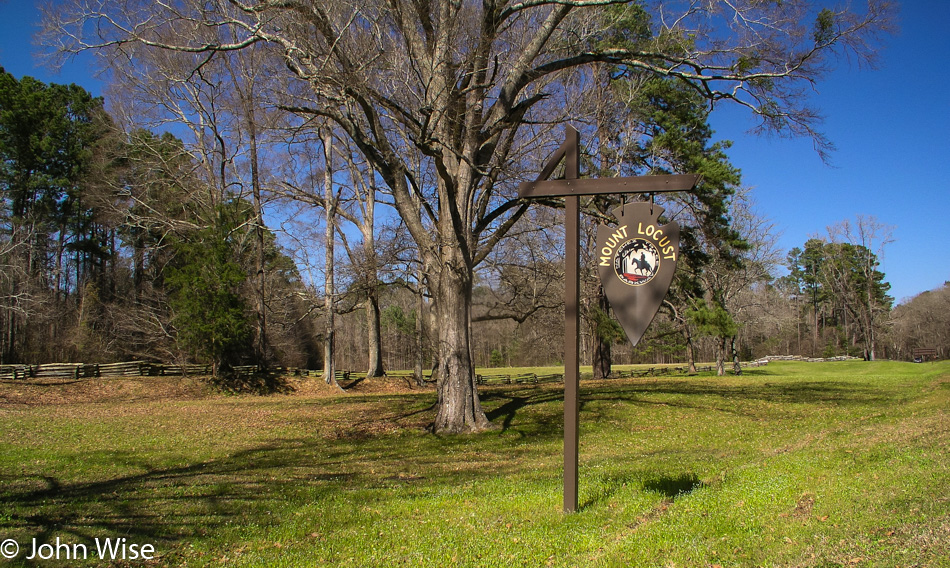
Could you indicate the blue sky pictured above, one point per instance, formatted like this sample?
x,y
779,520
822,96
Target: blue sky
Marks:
x,y
891,127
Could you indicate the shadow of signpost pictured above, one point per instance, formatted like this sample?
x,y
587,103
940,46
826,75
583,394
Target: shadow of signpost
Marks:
x,y
672,487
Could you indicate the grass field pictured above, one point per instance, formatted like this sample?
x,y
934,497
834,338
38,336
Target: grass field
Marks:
x,y
793,464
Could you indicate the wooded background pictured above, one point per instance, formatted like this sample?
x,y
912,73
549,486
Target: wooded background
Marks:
x,y
214,208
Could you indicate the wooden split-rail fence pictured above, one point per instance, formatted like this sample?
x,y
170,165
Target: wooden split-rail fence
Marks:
x,y
66,371
127,369
93,370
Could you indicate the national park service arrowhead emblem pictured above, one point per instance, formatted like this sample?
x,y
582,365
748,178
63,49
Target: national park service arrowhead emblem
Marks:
x,y
636,261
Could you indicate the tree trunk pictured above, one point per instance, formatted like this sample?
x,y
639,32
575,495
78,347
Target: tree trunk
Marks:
x,y
601,353
721,358
459,409
690,352
374,337
420,341
736,366
329,372
260,296
58,292
113,269
870,318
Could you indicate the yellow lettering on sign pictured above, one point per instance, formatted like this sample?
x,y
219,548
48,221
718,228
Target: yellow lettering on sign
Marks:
x,y
611,243
662,242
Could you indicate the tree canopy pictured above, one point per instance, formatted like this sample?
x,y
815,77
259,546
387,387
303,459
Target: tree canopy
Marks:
x,y
451,103
842,284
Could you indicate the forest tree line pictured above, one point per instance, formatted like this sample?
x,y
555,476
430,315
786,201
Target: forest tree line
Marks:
x,y
120,244
115,247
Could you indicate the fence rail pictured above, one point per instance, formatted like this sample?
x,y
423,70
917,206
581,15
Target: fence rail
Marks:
x,y
100,370
924,353
66,371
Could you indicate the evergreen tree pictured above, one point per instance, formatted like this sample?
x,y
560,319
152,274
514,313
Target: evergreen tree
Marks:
x,y
55,244
210,315
712,319
675,137
846,292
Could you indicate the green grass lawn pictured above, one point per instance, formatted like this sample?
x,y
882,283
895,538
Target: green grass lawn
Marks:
x,y
793,464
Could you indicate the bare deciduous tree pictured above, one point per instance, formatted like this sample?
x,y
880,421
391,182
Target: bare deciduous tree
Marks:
x,y
734,283
922,322
446,98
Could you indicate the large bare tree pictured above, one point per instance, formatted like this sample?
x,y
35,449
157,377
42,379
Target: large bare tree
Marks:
x,y
445,98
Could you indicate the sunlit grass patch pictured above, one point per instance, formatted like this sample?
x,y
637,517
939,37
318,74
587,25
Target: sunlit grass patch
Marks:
x,y
794,464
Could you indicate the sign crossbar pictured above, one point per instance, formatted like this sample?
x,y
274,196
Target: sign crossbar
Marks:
x,y
602,186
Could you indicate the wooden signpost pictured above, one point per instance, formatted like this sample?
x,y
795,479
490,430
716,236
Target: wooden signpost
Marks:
x,y
571,188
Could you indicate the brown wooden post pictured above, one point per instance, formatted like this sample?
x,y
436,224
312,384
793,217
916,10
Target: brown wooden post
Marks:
x,y
571,188
572,294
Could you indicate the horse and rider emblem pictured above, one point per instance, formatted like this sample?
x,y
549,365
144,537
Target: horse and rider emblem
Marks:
x,y
636,261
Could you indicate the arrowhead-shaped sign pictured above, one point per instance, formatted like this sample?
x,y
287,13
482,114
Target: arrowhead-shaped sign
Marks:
x,y
636,261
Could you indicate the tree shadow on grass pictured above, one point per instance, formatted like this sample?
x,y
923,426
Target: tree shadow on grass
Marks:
x,y
799,392
170,506
159,506
696,395
512,401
